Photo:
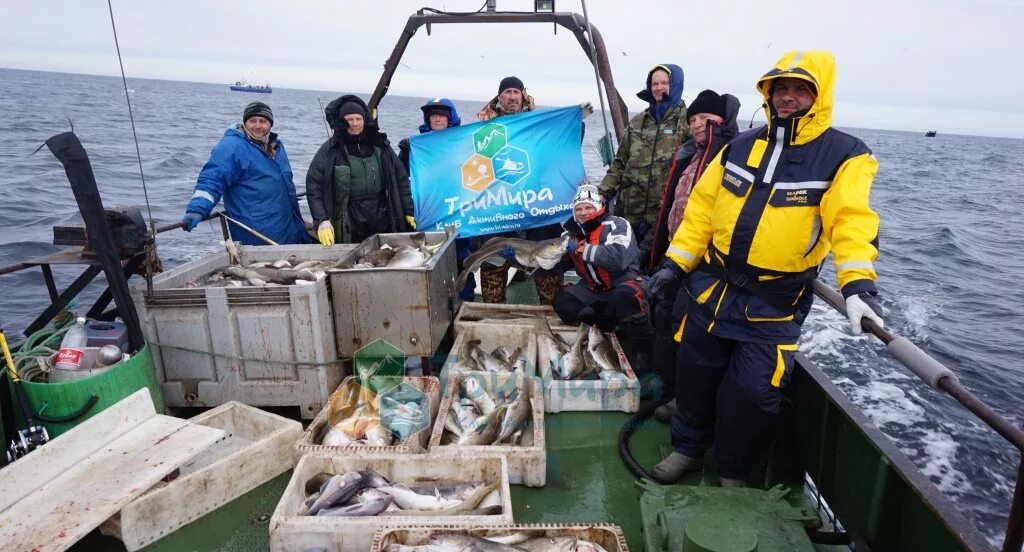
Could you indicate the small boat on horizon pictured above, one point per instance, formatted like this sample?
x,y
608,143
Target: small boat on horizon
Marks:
x,y
930,133
242,86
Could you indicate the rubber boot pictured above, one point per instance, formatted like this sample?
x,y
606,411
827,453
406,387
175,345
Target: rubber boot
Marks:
x,y
672,468
665,412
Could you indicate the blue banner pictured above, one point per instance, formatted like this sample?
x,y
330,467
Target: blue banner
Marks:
x,y
506,174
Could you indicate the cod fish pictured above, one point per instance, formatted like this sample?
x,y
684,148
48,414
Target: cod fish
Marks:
x,y
337,489
484,429
574,365
530,254
516,414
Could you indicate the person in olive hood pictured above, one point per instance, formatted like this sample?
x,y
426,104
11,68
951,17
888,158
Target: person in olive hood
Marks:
x,y
636,177
356,186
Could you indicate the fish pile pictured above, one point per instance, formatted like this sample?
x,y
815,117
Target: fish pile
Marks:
x,y
477,417
517,541
368,493
473,358
356,417
508,317
589,356
282,272
403,256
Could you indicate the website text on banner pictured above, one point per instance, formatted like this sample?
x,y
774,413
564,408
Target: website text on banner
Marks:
x,y
510,173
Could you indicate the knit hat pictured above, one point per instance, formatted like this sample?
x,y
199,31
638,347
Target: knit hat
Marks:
x,y
587,193
707,101
511,82
258,109
350,108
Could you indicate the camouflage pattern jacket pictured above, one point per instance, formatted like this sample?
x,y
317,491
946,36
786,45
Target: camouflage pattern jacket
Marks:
x,y
638,174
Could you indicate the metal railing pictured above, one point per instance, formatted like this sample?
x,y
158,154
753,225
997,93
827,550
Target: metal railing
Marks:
x,y
941,378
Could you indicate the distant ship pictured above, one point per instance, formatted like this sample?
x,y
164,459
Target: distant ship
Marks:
x,y
930,134
242,86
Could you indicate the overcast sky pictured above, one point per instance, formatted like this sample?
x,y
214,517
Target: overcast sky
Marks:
x,y
948,65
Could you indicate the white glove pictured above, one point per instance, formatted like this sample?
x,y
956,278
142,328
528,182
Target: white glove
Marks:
x,y
860,306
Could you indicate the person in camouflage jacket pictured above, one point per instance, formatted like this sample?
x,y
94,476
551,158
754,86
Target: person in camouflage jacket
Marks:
x,y
637,176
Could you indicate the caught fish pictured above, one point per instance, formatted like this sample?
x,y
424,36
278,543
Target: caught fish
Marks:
x,y
281,263
315,483
465,413
587,546
574,365
336,490
466,358
504,354
471,503
469,543
451,423
601,348
407,257
474,391
542,254
378,436
458,490
359,509
484,429
516,414
489,362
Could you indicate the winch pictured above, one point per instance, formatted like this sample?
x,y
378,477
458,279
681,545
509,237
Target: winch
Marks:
x,y
127,227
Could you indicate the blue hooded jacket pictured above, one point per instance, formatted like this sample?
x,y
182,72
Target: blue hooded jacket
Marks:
x,y
258,191
675,90
453,115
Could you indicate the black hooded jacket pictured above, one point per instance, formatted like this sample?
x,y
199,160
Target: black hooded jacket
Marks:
x,y
720,136
320,177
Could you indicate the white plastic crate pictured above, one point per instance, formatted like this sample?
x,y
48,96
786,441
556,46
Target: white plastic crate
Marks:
x,y
290,531
256,447
590,395
527,462
606,535
416,443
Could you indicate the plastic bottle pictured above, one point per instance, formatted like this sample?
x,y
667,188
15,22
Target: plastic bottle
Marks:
x,y
72,348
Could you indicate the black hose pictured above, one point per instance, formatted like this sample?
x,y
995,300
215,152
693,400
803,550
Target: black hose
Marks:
x,y
89,403
627,431
831,538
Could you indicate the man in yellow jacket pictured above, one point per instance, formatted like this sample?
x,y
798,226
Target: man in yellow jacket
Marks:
x,y
758,225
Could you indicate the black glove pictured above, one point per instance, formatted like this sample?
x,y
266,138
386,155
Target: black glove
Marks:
x,y
664,281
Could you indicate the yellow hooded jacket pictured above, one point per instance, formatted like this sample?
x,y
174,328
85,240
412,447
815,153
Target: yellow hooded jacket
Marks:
x,y
777,199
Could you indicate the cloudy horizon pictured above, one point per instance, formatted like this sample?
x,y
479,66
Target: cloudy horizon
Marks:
x,y
900,66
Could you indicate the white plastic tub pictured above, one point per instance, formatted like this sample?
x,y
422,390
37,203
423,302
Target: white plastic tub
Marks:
x,y
527,462
415,443
590,395
608,536
256,447
290,531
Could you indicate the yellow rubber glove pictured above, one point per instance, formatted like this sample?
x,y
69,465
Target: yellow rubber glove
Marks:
x,y
411,221
325,232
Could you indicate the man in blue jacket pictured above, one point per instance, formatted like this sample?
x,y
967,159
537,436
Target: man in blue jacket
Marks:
x,y
250,169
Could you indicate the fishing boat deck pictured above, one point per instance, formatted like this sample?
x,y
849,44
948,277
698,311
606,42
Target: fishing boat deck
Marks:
x,y
587,480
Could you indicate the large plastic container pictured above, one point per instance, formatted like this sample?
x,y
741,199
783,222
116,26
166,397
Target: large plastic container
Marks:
x,y
527,462
608,536
411,308
289,531
255,448
121,380
590,395
415,443
269,346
